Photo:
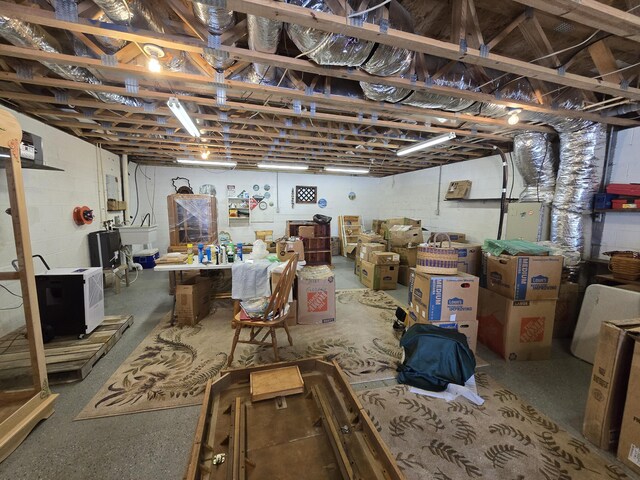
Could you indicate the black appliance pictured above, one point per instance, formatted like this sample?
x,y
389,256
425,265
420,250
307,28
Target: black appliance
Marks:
x,y
104,247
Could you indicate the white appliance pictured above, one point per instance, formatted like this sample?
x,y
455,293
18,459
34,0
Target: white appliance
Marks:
x,y
71,301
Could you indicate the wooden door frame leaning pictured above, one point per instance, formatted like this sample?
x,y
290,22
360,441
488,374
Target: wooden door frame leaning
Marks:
x,y
22,409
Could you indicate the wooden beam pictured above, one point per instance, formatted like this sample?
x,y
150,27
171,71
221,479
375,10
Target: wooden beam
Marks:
x,y
330,22
397,38
507,30
593,14
605,62
538,41
459,9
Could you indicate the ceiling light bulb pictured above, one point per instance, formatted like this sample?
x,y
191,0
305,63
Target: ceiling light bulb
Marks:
x,y
513,119
154,65
205,154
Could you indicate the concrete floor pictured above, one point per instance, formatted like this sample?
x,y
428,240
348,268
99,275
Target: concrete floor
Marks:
x,y
155,445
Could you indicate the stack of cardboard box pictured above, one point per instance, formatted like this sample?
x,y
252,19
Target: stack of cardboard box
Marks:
x,y
612,414
517,307
380,272
447,301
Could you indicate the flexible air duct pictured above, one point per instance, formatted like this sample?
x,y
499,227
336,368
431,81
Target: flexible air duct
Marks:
x,y
217,20
536,160
25,34
326,48
133,13
109,44
264,36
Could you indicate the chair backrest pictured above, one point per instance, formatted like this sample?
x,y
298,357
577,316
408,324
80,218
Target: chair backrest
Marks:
x,y
280,295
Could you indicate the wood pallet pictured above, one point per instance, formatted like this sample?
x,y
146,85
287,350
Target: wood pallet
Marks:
x,y
68,358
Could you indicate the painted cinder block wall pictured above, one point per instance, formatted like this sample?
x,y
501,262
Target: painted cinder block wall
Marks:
x,y
50,198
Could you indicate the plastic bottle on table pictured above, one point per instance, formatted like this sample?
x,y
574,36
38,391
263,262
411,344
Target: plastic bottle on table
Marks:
x,y
200,252
189,253
231,250
208,252
239,251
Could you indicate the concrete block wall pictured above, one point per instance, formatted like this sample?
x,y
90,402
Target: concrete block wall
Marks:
x,y
622,230
51,197
333,188
420,195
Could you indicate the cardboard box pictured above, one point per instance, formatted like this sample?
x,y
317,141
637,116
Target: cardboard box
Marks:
x,y
468,327
408,255
307,231
285,250
404,274
469,257
403,235
439,298
609,379
384,258
516,329
379,277
113,205
193,300
629,444
335,246
370,237
366,249
180,278
453,236
377,226
458,190
316,295
567,310
525,277
389,222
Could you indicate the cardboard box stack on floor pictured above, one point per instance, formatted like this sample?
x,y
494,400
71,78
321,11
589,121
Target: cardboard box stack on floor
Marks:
x,y
447,301
363,251
609,382
629,443
193,300
381,271
517,307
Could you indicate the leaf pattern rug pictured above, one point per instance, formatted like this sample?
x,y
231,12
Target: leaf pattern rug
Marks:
x,y
506,438
171,366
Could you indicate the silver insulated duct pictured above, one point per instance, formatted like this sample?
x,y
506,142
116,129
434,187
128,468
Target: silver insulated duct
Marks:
x,y
25,34
582,155
326,48
536,160
133,12
264,36
217,20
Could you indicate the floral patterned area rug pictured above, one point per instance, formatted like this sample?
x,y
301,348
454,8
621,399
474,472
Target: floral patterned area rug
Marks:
x,y
172,365
506,438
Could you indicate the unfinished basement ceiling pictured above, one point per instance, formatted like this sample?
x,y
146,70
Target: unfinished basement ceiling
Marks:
x,y
328,87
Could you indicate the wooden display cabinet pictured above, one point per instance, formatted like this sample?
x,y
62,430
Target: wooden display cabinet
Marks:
x,y
317,250
22,406
192,219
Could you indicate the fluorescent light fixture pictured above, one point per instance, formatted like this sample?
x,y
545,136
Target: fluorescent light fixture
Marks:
x,y
282,166
181,114
213,163
426,144
355,171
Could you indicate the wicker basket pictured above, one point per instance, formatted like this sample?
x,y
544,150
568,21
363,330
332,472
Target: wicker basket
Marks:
x,y
433,258
625,265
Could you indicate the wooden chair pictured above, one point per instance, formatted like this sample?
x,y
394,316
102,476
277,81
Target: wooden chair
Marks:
x,y
274,316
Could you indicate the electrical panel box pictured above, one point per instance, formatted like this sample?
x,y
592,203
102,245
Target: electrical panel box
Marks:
x,y
528,221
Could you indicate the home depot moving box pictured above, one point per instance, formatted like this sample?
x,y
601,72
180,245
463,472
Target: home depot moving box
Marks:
x,y
469,255
193,300
467,327
629,444
366,249
403,235
316,295
408,255
379,277
609,378
438,298
516,329
525,277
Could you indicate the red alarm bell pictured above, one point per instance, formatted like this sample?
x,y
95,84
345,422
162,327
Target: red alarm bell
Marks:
x,y
82,215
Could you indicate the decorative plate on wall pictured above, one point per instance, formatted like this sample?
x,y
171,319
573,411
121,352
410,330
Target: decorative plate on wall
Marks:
x,y
267,187
267,194
306,194
322,203
256,188
352,195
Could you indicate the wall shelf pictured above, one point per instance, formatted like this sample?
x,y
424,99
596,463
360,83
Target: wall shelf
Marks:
x,y
617,210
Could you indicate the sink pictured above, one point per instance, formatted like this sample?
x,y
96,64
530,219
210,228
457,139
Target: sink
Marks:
x,y
138,235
